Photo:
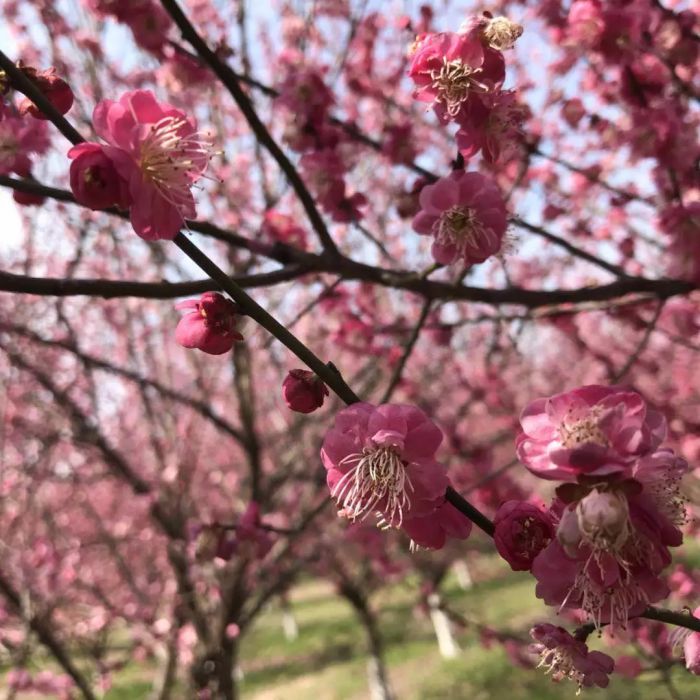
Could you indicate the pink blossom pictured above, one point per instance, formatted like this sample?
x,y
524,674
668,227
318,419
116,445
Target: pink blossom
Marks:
x,y
150,24
586,23
682,224
121,9
55,89
432,530
251,535
283,228
18,139
492,125
466,214
566,657
589,431
94,179
611,547
448,69
303,391
304,93
628,666
167,156
209,325
691,649
381,459
522,532
399,143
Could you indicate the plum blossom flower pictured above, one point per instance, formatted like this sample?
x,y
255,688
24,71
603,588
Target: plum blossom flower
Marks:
x,y
566,657
432,530
167,156
612,545
209,325
491,125
283,228
591,431
303,391
382,459
448,69
682,224
94,178
466,214
501,33
18,139
522,531
55,89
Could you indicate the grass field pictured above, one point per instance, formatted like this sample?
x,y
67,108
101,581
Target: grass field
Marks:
x,y
327,661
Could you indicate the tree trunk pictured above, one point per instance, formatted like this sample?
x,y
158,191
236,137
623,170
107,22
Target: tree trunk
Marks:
x,y
378,679
464,577
214,675
443,628
163,687
289,622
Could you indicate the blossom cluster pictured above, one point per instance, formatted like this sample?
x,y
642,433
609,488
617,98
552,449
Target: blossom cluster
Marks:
x,y
306,100
381,460
461,76
23,131
152,157
604,542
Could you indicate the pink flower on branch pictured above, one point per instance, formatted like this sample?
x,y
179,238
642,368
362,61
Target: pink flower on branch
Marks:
x,y
210,324
303,391
466,214
449,69
566,657
612,542
431,531
522,531
382,460
166,158
592,431
55,89
94,178
492,126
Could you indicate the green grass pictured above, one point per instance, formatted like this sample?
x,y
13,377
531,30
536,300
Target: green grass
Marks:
x,y
328,661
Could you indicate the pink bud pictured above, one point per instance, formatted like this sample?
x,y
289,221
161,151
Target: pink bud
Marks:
x,y
94,178
55,89
210,324
303,391
603,516
522,532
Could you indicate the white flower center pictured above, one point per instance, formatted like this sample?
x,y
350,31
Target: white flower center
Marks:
x,y
584,430
453,81
171,161
377,480
560,664
460,227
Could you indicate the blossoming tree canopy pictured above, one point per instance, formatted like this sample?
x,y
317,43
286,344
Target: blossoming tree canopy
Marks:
x,y
447,260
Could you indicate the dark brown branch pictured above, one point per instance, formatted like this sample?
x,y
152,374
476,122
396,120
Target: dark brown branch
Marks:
x,y
230,81
43,630
111,289
94,362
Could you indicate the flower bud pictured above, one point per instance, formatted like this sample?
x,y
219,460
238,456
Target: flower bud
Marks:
x,y
501,33
522,532
210,325
603,517
568,531
94,178
303,391
55,89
